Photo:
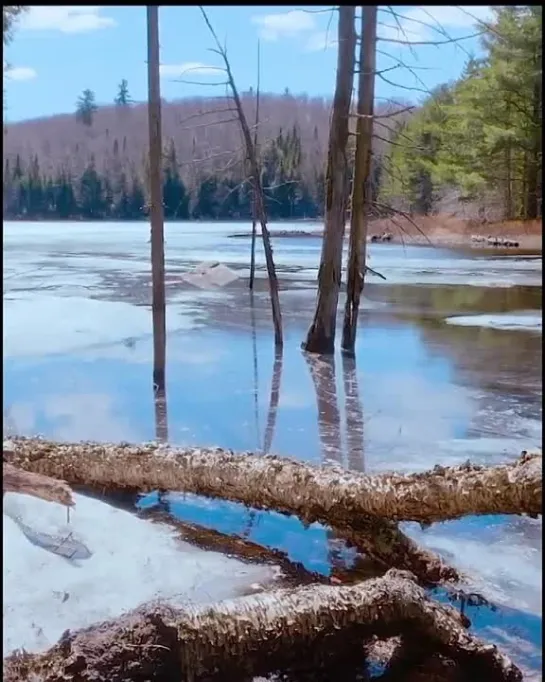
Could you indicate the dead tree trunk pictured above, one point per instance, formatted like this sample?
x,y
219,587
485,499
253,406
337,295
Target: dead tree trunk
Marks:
x,y
254,221
156,202
321,335
258,189
329,494
361,197
259,634
353,504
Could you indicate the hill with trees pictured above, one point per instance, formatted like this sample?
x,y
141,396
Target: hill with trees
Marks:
x,y
472,148
480,137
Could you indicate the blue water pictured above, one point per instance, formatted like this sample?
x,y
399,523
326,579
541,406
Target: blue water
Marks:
x,y
77,365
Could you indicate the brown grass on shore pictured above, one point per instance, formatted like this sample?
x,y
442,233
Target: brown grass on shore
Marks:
x,y
447,229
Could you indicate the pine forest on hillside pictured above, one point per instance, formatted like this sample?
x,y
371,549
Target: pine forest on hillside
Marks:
x,y
473,143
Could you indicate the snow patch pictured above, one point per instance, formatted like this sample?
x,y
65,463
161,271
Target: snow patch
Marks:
x,y
523,321
131,562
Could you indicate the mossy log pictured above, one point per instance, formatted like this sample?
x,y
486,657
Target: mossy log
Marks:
x,y
258,634
16,480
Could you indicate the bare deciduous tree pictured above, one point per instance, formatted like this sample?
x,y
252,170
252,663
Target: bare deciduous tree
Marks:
x,y
361,190
321,335
156,202
254,222
259,201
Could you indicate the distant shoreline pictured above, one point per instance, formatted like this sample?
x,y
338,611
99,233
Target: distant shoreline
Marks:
x,y
439,230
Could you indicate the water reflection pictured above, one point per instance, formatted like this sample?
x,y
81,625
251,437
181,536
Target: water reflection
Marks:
x,y
324,380
256,368
161,415
353,415
273,402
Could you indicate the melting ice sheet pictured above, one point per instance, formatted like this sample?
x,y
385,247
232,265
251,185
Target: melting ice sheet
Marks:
x,y
40,324
523,321
132,562
501,555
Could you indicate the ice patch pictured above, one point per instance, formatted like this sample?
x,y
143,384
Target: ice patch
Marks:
x,y
132,562
43,324
523,321
504,567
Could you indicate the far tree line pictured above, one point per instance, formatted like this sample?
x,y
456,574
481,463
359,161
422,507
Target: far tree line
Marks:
x,y
472,147
116,193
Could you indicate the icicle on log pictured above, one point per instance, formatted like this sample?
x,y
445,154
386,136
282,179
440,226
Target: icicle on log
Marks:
x,y
328,494
258,634
16,480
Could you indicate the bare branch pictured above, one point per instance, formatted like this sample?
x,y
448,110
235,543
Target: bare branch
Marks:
x,y
259,203
435,43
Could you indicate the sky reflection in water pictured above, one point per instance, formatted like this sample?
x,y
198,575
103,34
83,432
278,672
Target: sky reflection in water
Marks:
x,y
423,391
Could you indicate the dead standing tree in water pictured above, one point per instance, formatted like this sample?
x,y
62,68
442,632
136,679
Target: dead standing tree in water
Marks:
x,y
254,220
156,203
259,201
321,335
361,190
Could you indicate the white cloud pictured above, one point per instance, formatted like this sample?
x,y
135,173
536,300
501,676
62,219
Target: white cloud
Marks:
x,y
69,19
433,18
321,40
21,73
284,24
189,69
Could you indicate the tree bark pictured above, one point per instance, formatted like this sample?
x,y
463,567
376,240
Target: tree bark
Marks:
x,y
16,480
156,201
254,220
354,505
321,335
258,634
361,190
325,494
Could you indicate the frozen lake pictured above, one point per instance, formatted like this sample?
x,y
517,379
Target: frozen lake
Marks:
x,y
448,368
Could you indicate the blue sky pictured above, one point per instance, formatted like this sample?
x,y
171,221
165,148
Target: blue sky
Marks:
x,y
59,51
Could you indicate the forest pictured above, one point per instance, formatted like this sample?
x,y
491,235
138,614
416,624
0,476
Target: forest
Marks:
x,y
475,142
377,593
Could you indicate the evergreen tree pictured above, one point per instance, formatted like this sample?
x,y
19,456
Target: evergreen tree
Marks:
x,y
175,198
123,99
86,107
482,133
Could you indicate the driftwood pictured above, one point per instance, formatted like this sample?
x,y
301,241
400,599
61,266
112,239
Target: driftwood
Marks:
x,y
353,504
15,480
327,494
259,634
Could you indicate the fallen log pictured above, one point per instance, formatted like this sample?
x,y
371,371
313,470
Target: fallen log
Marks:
x,y
328,494
102,468
16,480
258,634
